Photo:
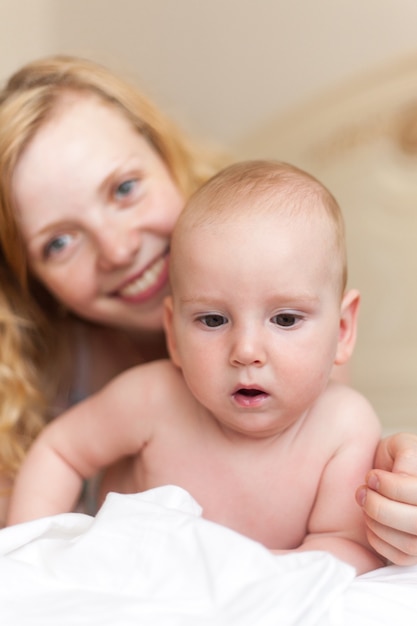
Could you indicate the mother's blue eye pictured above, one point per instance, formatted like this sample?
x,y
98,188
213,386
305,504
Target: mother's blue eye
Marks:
x,y
125,188
56,245
213,320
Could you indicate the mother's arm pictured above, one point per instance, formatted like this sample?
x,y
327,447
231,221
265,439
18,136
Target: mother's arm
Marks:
x,y
389,499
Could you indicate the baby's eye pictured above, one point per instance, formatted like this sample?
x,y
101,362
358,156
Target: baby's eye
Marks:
x,y
285,319
212,320
125,188
56,245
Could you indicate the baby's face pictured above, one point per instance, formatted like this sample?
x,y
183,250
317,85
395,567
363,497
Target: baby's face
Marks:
x,y
256,318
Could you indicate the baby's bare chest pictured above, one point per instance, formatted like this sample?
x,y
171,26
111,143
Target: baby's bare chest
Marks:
x,y
266,494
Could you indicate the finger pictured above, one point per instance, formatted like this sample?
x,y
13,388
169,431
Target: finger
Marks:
x,y
398,516
397,547
398,487
398,453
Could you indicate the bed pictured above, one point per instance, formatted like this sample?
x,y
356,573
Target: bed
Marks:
x,y
151,559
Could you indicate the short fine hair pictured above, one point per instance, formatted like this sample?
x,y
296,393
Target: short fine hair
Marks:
x,y
258,185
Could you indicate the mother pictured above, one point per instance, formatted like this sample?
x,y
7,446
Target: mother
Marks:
x,y
93,178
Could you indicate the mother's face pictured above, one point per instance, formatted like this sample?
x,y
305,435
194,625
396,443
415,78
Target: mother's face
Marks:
x,y
96,206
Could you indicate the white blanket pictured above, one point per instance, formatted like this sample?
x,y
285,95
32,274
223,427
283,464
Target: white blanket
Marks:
x,y
150,559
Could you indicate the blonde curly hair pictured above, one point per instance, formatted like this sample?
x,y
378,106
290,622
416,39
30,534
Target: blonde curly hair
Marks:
x,y
33,331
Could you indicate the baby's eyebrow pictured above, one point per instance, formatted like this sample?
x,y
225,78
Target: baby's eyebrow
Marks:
x,y
298,299
201,300
281,300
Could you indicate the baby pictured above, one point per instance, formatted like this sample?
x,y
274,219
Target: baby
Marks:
x,y
245,415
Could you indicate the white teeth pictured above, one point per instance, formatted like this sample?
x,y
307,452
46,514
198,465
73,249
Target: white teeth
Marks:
x,y
145,281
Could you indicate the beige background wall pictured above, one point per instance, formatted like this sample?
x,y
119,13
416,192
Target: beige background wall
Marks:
x,y
279,78
224,66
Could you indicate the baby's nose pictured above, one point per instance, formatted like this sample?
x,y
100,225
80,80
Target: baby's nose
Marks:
x,y
248,349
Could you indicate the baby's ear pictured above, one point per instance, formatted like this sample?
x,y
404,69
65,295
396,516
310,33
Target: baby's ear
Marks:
x,y
349,310
169,330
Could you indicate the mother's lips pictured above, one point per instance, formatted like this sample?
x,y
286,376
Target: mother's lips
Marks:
x,y
150,277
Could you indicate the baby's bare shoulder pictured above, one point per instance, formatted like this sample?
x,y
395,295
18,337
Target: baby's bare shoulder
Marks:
x,y
347,407
152,373
149,382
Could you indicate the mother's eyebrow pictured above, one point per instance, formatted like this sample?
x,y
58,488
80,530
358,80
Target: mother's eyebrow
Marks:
x,y
118,169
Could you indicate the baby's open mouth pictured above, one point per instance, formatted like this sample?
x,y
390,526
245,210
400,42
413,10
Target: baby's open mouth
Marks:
x,y
250,393
250,397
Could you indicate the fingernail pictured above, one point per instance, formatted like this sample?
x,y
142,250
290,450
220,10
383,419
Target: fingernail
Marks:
x,y
373,482
361,496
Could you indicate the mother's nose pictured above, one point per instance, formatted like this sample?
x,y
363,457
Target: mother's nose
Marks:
x,y
116,247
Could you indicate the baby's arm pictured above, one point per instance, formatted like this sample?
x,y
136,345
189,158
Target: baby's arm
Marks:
x,y
113,423
336,523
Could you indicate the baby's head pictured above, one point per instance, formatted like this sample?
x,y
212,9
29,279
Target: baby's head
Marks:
x,y
251,193
258,275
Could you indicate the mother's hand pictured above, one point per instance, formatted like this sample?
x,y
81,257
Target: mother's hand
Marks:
x,y
389,499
